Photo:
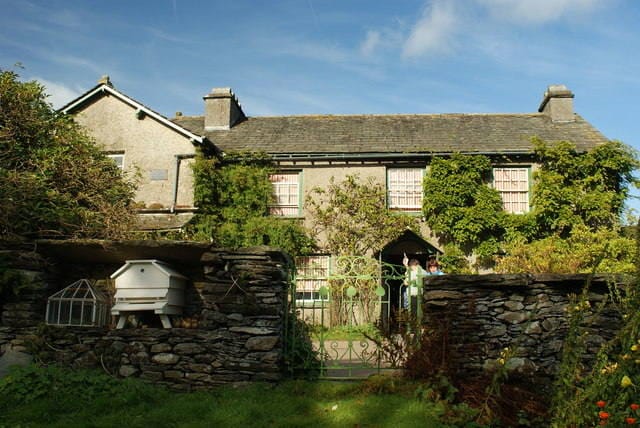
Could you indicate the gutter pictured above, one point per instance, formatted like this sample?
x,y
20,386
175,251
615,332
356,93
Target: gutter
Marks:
x,y
374,156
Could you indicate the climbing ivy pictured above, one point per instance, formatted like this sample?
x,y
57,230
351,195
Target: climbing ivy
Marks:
x,y
589,189
577,200
460,208
233,196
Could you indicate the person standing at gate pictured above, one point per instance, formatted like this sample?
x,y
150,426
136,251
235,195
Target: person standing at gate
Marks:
x,y
412,282
433,268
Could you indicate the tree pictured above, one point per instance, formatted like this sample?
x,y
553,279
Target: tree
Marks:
x,y
354,218
54,181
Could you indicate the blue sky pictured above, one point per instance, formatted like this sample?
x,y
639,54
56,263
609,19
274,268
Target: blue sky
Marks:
x,y
340,56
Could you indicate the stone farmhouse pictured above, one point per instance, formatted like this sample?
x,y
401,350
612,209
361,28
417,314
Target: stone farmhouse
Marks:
x,y
308,150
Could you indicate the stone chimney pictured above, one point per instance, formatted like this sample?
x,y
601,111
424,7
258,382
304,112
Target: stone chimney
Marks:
x,y
221,109
558,103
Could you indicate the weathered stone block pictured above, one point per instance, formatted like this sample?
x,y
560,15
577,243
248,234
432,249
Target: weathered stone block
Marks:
x,y
513,317
165,358
187,348
252,330
127,371
264,343
160,347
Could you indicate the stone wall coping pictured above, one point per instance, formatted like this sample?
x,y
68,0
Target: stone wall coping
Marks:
x,y
523,280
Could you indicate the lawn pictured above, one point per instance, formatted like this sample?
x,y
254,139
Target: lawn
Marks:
x,y
55,397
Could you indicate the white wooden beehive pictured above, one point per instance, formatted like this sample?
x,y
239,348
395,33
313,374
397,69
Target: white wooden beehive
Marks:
x,y
148,285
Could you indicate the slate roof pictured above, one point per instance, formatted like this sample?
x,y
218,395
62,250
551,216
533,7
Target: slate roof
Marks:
x,y
398,133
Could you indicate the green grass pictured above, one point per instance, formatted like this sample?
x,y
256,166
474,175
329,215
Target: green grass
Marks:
x,y
87,399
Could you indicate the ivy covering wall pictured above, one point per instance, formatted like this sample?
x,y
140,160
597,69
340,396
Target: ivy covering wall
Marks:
x,y
233,195
574,222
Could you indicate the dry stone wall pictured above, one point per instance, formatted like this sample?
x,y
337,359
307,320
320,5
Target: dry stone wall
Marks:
x,y
483,314
235,304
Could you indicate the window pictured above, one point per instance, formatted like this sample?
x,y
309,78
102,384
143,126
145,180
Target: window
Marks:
x,y
286,188
312,273
404,186
513,185
118,159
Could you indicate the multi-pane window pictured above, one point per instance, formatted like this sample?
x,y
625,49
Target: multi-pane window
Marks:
x,y
404,186
118,158
513,185
286,189
312,273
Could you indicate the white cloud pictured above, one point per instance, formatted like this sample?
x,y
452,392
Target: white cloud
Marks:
x,y
371,42
433,32
538,11
59,94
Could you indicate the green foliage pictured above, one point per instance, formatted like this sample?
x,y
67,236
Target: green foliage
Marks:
x,y
300,358
453,261
460,208
54,182
64,398
577,202
233,196
353,216
65,387
572,189
580,252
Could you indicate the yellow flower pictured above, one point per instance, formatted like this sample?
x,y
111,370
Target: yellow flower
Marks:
x,y
637,361
626,381
626,356
634,348
501,361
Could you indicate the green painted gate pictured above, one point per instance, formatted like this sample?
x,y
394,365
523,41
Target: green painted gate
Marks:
x,y
351,308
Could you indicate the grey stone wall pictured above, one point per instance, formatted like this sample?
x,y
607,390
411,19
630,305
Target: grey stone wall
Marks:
x,y
483,314
236,303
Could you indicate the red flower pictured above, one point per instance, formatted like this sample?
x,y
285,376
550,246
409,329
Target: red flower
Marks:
x,y
603,415
630,421
635,406
601,404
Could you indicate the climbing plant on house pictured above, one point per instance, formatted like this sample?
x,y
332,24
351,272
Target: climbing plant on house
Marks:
x,y
353,218
459,206
577,200
233,196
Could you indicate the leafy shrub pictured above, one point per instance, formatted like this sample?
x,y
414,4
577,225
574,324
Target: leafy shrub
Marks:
x,y
68,387
581,252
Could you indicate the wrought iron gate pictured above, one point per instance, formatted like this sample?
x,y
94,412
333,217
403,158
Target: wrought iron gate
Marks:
x,y
350,306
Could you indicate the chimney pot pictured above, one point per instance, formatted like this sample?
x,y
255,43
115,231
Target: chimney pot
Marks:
x,y
105,80
557,102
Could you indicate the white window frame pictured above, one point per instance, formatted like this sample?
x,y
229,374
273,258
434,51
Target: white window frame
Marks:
x,y
114,157
312,272
513,184
404,189
286,190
